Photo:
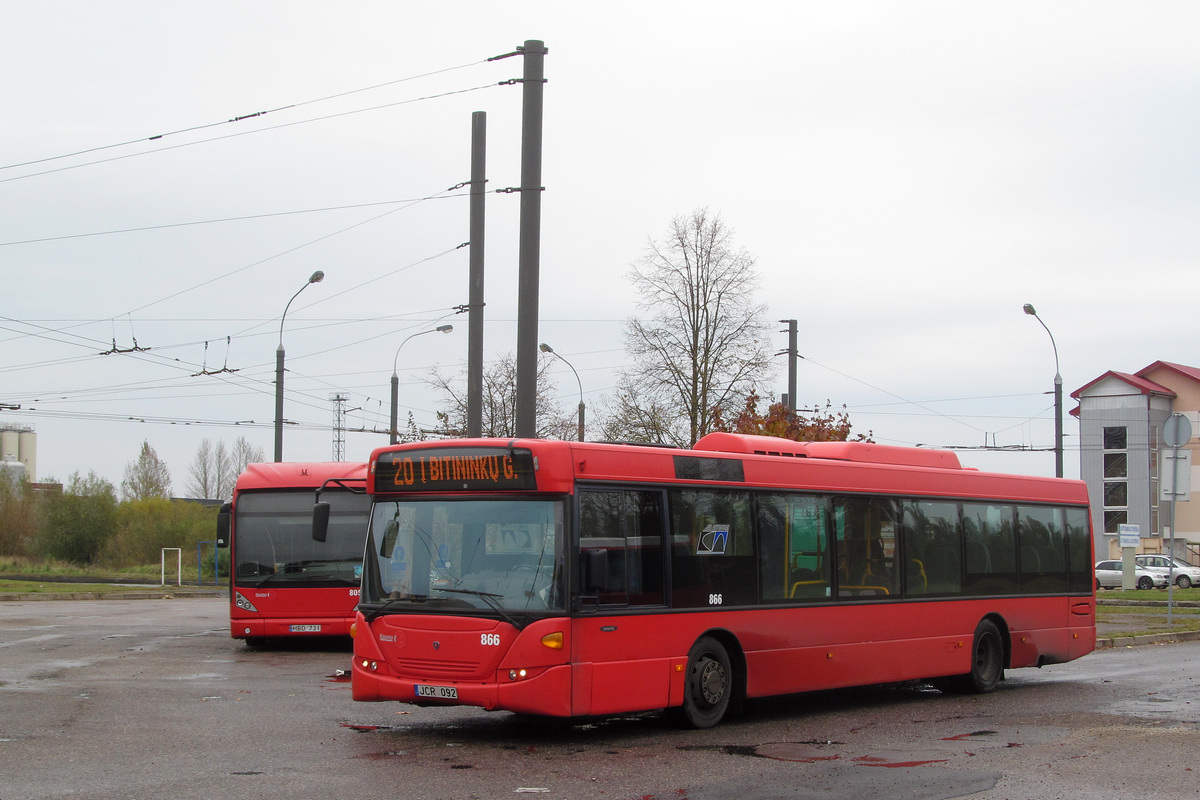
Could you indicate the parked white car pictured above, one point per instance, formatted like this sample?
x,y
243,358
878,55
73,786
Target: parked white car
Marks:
x,y
1109,575
1186,575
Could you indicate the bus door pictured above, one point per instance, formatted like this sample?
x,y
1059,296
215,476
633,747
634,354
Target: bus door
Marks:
x,y
620,658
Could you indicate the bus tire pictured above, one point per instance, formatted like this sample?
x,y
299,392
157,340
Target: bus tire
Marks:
x,y
987,663
708,684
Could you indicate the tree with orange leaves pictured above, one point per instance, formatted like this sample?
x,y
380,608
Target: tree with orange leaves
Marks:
x,y
820,425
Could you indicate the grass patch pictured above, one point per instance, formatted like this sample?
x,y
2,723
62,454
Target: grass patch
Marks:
x,y
1157,595
75,576
51,587
1145,620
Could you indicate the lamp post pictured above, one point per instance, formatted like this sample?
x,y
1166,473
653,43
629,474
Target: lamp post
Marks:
x,y
545,348
316,277
1058,420
393,433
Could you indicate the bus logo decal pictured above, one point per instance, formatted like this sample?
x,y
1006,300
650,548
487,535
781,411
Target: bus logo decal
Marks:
x,y
713,540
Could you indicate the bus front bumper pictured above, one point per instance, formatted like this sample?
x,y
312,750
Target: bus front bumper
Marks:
x,y
288,626
548,692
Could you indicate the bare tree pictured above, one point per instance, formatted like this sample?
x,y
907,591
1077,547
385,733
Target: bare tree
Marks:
x,y
211,473
703,344
147,477
244,453
500,401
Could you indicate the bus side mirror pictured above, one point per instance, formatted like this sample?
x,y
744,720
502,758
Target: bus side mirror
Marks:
x,y
320,528
595,571
223,524
390,532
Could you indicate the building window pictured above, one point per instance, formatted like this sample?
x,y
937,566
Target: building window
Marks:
x,y
1116,494
1115,439
1116,465
1116,478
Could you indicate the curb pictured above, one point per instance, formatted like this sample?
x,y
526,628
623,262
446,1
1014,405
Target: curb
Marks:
x,y
1109,642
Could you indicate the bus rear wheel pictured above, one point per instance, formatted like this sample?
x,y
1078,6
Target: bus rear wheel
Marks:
x,y
709,683
987,663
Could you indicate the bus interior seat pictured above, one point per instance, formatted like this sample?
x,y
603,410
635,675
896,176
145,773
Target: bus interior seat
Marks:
x,y
918,581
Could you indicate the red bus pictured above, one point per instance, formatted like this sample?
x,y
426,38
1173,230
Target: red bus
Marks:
x,y
284,583
581,579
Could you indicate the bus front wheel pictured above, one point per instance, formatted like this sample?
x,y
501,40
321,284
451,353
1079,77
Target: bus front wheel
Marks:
x,y
709,683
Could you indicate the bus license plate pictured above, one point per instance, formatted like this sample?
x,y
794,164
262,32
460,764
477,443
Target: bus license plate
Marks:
x,y
305,628
437,692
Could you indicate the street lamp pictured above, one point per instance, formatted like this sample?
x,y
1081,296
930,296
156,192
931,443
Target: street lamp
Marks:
x,y
545,348
316,277
393,433
1058,420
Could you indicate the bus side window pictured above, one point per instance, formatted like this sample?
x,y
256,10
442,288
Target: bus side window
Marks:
x,y
600,528
770,518
990,541
712,549
627,525
931,548
1042,536
866,535
794,562
1080,556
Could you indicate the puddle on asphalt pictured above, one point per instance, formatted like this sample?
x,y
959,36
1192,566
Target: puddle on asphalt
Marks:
x,y
818,750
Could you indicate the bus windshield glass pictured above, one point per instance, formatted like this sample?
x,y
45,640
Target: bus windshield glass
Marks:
x,y
455,555
274,544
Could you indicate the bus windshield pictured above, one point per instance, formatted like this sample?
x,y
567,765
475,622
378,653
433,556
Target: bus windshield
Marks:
x,y
455,555
274,543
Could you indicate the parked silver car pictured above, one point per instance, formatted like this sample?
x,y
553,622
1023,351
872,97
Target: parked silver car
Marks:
x,y
1109,575
1186,575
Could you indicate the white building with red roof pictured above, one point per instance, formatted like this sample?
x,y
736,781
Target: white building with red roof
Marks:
x,y
1121,416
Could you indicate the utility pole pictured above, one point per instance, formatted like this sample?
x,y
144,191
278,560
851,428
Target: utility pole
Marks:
x,y
792,356
475,279
529,254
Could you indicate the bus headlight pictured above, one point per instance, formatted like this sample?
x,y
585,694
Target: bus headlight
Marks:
x,y
517,674
242,603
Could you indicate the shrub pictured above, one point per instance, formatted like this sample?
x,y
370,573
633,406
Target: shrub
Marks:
x,y
78,523
145,527
18,517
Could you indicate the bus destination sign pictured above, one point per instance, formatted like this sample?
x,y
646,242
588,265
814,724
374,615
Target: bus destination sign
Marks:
x,y
455,469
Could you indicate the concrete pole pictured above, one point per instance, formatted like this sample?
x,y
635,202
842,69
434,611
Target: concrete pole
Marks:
x,y
475,280
393,433
529,254
279,403
791,351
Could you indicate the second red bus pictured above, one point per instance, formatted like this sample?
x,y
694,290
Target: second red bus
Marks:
x,y
284,583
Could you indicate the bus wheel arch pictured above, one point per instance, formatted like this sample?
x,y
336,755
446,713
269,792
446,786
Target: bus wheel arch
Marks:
x,y
714,680
991,652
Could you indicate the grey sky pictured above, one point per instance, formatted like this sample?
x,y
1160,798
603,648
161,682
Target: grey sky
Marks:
x,y
907,174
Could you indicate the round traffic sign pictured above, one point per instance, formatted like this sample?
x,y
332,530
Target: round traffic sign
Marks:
x,y
1177,430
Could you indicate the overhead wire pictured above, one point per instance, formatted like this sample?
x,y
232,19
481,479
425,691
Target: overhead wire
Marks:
x,y
166,226
239,118
246,133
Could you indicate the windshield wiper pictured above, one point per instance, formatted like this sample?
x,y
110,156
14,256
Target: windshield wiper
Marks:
x,y
372,614
490,599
